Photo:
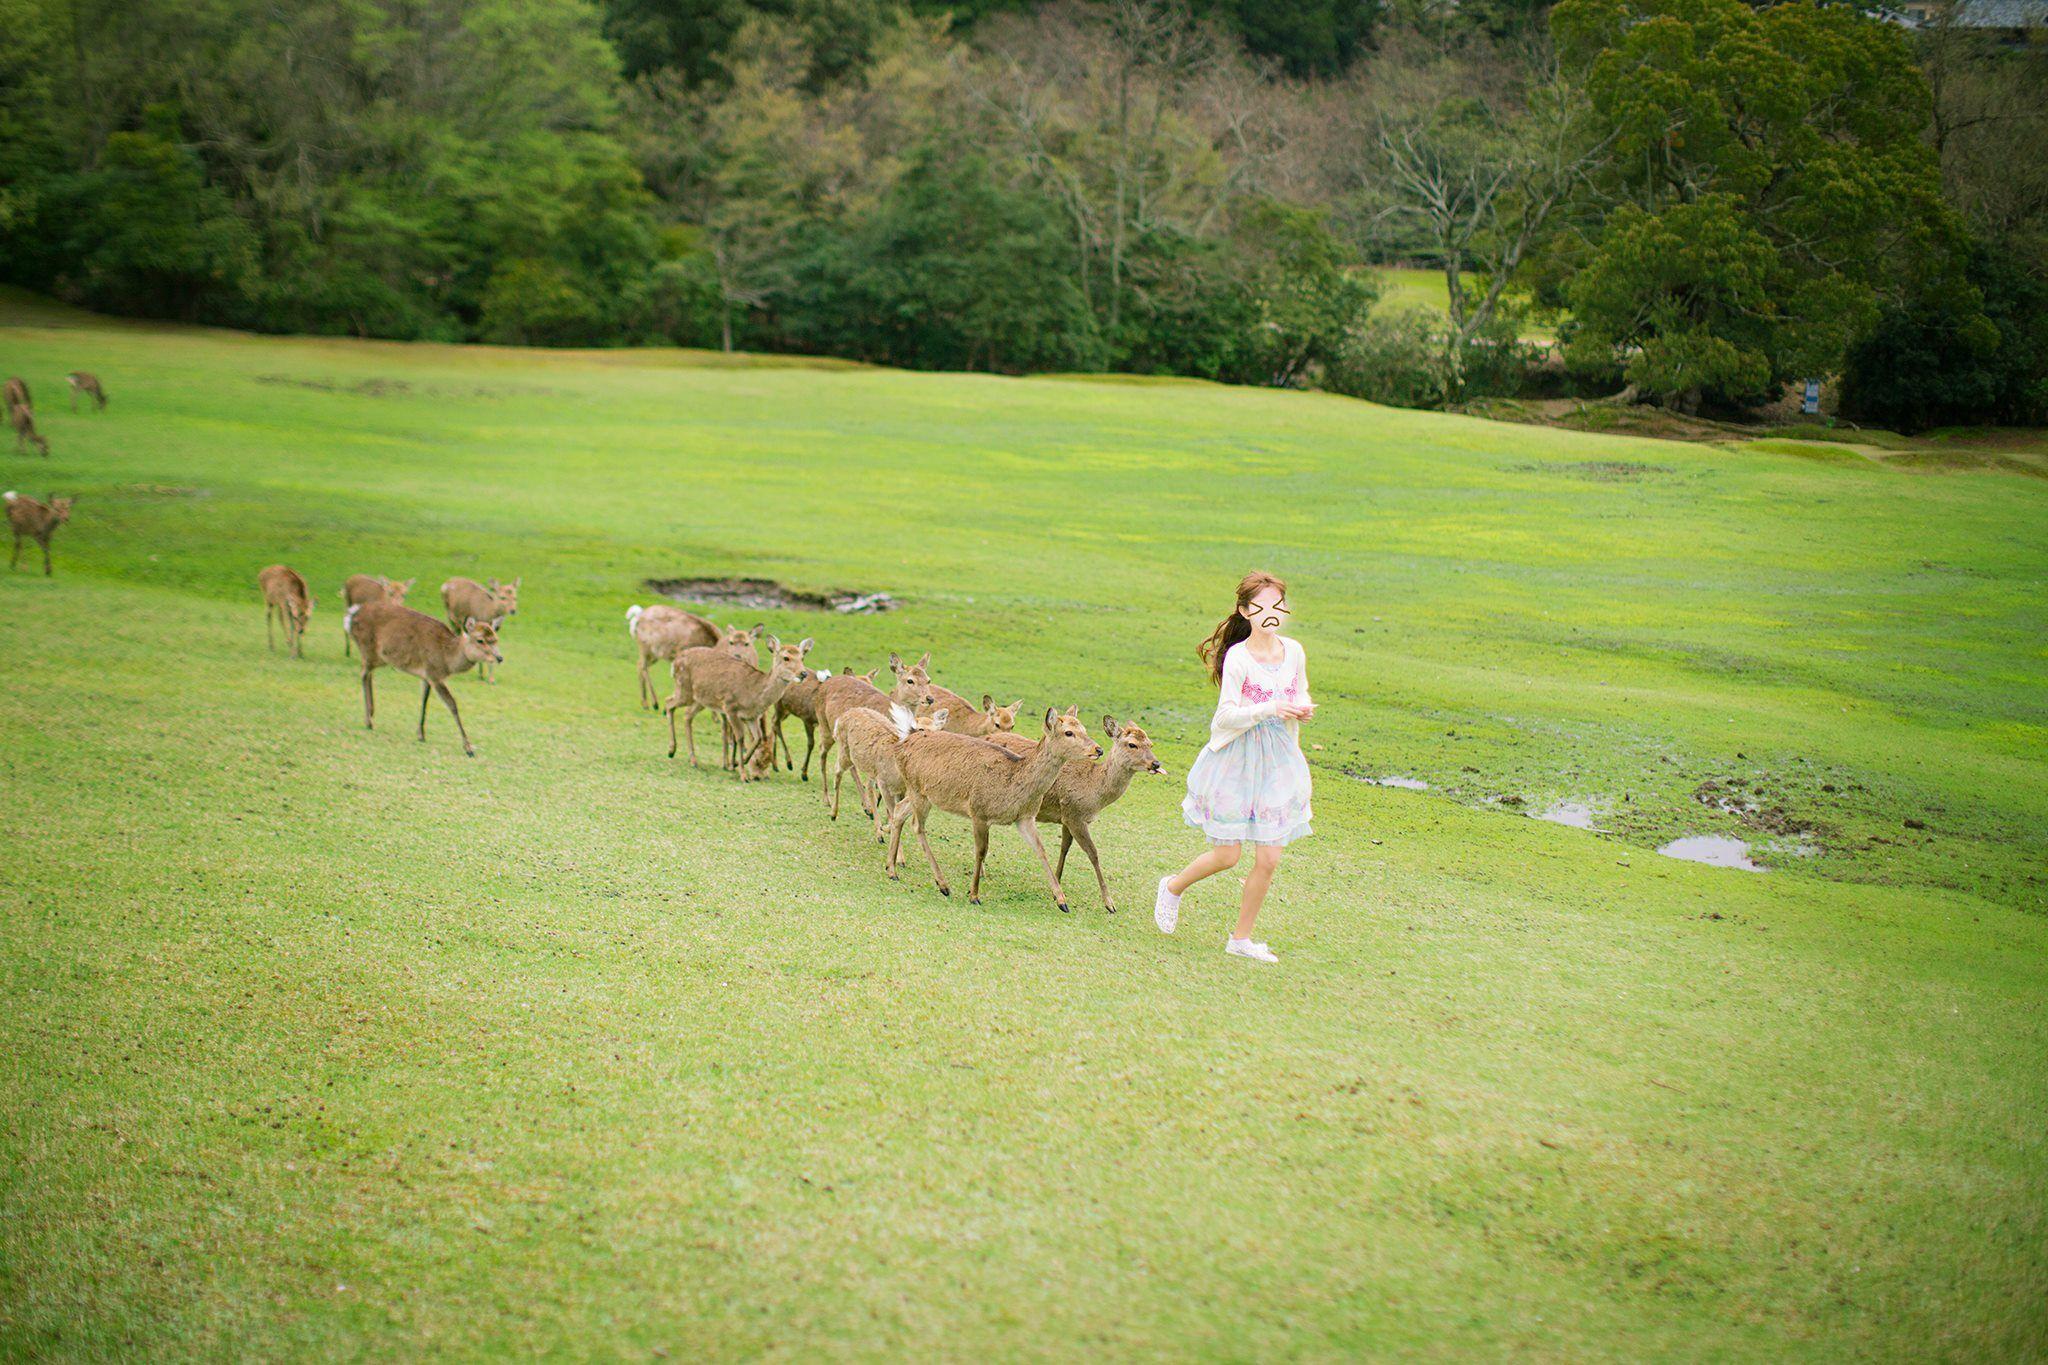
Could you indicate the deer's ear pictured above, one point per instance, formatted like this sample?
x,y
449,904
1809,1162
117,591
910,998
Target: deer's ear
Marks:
x,y
468,623
939,717
1109,726
926,661
803,646
988,703
494,585
517,581
1048,720
895,664
1017,705
773,643
1074,710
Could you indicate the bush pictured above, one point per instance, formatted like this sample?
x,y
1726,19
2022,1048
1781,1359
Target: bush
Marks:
x,y
1397,357
539,303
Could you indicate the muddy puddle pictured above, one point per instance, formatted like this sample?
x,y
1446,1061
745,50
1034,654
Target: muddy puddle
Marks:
x,y
767,594
1576,814
1715,850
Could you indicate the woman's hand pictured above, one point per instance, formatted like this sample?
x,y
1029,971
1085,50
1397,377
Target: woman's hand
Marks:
x,y
1294,712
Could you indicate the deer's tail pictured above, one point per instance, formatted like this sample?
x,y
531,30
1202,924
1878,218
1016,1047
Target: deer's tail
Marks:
x,y
13,496
633,618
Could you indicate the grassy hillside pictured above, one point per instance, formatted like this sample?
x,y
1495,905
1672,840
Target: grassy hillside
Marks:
x,y
319,1041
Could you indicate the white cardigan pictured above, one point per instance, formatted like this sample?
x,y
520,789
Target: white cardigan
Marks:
x,y
1236,712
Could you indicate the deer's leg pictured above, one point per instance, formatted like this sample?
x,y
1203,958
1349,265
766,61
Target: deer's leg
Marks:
x,y
674,701
980,857
886,802
1066,842
46,556
347,640
919,808
270,627
369,701
781,743
838,776
1079,834
426,695
448,697
689,730
1028,827
647,696
810,740
825,760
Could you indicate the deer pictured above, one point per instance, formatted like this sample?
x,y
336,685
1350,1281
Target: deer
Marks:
x,y
285,598
414,642
27,517
25,434
868,742
736,642
801,701
662,632
1083,790
988,785
743,694
14,393
857,692
463,598
360,589
87,383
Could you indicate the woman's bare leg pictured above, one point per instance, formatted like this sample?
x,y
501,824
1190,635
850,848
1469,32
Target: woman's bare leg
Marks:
x,y
1219,858
1265,858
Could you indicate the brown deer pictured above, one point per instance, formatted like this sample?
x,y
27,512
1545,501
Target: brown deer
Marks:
x,y
361,589
25,434
662,632
736,642
87,383
37,520
801,701
285,598
868,743
857,692
1082,790
742,694
14,393
414,642
987,784
463,598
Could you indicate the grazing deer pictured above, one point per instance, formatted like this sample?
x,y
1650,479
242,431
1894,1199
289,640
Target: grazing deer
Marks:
x,y
25,434
414,642
742,694
14,393
736,642
463,598
361,589
868,742
662,632
1082,790
285,598
987,784
28,517
857,692
87,383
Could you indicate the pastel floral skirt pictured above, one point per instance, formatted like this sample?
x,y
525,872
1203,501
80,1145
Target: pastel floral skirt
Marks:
x,y
1254,789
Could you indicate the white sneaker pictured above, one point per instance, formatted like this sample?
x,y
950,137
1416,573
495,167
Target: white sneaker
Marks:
x,y
1244,947
1166,908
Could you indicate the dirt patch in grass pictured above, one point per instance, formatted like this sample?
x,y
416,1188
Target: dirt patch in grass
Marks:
x,y
1599,471
767,594
367,388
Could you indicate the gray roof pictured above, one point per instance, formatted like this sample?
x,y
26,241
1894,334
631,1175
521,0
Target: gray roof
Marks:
x,y
2007,14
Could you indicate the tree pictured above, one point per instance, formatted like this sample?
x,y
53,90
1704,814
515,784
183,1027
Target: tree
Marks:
x,y
1767,186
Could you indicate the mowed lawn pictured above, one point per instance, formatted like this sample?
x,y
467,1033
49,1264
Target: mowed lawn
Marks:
x,y
319,1042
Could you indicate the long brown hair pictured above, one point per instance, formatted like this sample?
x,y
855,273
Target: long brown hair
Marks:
x,y
1234,627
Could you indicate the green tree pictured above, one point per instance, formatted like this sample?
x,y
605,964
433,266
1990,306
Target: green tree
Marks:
x,y
1768,183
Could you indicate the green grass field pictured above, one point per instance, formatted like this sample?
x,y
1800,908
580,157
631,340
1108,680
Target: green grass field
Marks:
x,y
320,1042
1413,287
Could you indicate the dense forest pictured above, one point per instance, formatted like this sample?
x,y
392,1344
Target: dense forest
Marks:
x,y
1705,199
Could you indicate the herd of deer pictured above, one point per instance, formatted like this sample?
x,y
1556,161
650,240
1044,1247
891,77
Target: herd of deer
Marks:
x,y
30,518
912,749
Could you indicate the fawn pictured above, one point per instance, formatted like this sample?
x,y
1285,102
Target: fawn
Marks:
x,y
360,589
27,517
87,383
736,642
662,632
857,692
987,784
414,642
1082,790
287,599
868,743
463,598
25,434
742,694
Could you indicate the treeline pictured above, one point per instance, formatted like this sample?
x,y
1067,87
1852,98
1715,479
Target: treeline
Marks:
x,y
1705,199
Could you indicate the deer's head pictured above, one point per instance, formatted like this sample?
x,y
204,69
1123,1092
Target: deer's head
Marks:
x,y
480,642
505,596
1131,746
1067,736
1001,717
60,511
786,662
913,681
737,641
395,591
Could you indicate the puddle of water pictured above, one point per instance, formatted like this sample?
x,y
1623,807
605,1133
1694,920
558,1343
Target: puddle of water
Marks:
x,y
1577,814
767,593
1715,850
1406,784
